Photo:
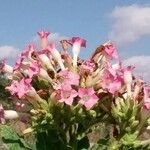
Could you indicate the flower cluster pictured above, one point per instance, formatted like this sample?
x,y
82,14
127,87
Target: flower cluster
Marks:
x,y
46,77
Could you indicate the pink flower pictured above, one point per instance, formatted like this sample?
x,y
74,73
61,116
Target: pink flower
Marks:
x,y
43,34
67,94
87,66
147,97
77,43
28,53
5,68
69,77
56,55
44,38
20,88
45,60
128,78
18,63
87,97
34,69
110,50
138,87
13,87
111,82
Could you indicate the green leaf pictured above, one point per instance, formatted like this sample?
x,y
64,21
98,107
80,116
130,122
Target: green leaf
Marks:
x,y
11,139
8,133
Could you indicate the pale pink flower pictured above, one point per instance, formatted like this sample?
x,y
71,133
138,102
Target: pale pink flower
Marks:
x,y
67,94
110,50
18,63
28,53
111,81
138,86
45,60
115,69
147,97
5,68
34,69
20,88
56,55
13,87
88,97
77,43
87,67
43,34
128,78
43,74
44,38
69,77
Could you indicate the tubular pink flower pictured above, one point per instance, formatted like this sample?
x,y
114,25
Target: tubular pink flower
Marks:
x,y
44,38
20,88
69,77
110,50
137,88
43,74
111,78
147,97
46,63
28,53
87,97
67,94
128,78
5,68
8,69
87,66
110,82
34,69
56,55
18,63
77,43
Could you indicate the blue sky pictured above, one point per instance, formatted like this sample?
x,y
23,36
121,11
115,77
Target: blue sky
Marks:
x,y
96,21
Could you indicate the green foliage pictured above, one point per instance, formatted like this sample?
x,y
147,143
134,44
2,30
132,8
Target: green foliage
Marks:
x,y
11,140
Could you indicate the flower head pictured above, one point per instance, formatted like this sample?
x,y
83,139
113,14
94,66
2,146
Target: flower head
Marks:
x,y
128,78
69,77
87,66
67,94
43,34
77,43
88,97
44,38
56,55
111,82
34,69
147,97
110,50
20,88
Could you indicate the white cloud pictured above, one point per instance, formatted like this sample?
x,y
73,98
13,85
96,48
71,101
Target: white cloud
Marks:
x,y
8,52
142,64
130,23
